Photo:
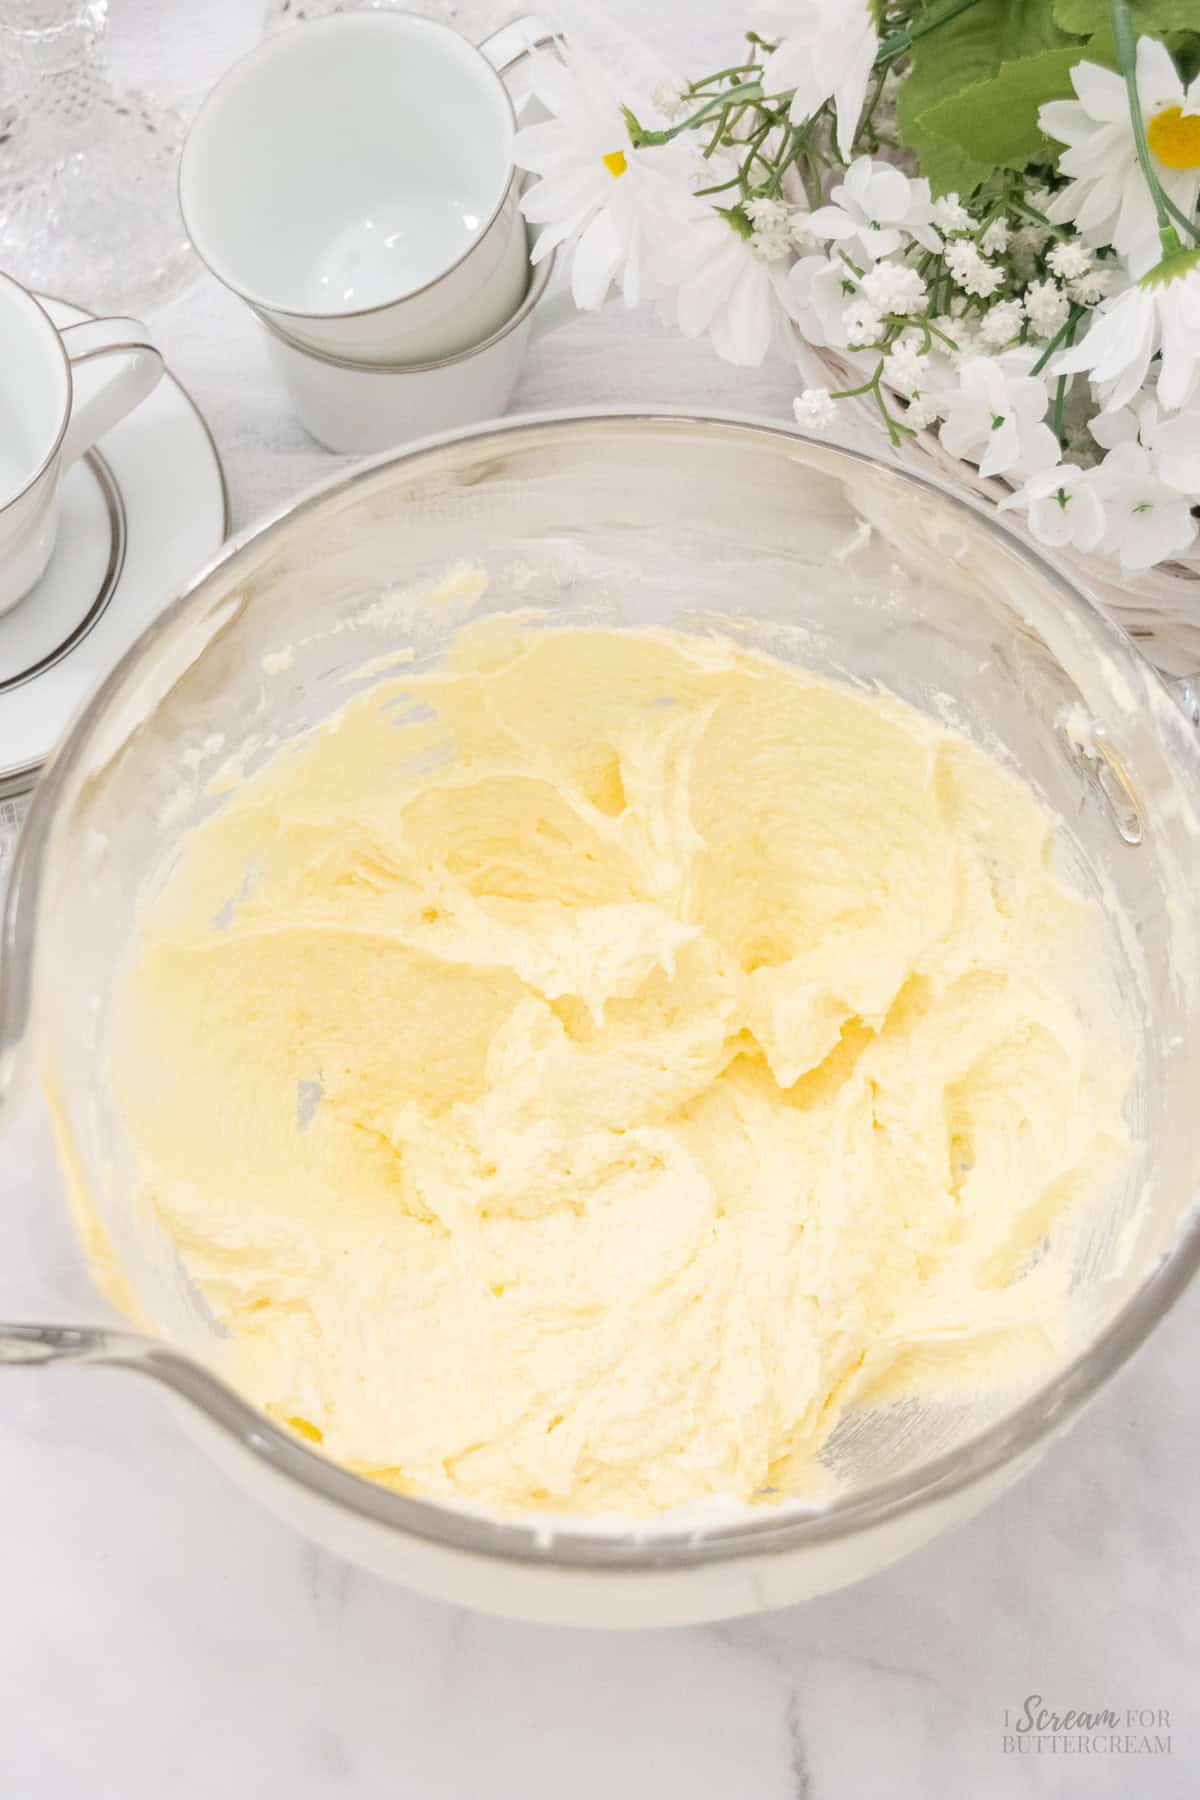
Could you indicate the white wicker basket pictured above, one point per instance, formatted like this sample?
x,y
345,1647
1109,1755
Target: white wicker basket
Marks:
x,y
1159,607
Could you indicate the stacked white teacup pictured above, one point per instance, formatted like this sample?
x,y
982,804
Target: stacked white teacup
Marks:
x,y
352,180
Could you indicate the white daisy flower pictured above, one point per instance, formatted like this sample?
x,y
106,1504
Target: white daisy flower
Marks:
x,y
815,409
1160,314
873,208
1063,505
1108,198
826,50
595,192
994,417
1148,522
721,285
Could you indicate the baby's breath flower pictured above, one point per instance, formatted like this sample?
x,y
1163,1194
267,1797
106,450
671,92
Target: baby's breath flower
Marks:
x,y
1025,246
670,100
970,271
949,214
770,243
764,211
905,368
894,288
995,239
1091,288
1002,324
815,408
862,323
1070,260
1046,307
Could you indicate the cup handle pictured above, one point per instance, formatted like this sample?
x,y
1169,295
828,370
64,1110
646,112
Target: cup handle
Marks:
x,y
113,368
507,48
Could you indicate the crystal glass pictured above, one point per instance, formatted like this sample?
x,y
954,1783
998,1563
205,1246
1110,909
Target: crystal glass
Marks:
x,y
87,172
835,560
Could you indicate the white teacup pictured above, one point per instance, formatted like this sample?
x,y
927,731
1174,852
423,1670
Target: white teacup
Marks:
x,y
352,180
59,392
359,407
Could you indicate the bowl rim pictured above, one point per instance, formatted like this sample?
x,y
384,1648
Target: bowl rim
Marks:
x,y
573,1541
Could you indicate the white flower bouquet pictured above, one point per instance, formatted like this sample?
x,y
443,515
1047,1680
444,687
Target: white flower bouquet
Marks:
x,y
981,216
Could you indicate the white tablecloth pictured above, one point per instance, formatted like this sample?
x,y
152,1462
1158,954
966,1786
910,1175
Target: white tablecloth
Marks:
x,y
161,1636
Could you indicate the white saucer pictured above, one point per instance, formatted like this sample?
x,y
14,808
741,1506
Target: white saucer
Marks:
x,y
139,517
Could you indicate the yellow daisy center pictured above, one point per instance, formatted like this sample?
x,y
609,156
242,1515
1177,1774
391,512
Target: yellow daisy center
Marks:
x,y
616,165
1174,138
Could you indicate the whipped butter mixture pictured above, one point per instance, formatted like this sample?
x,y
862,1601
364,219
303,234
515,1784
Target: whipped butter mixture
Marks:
x,y
576,1076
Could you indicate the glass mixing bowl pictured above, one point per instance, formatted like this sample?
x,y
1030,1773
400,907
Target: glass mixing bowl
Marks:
x,y
838,561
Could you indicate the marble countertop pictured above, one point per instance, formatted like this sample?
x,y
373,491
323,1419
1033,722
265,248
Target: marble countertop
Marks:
x,y
161,1635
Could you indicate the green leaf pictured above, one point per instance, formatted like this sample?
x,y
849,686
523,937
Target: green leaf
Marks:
x,y
1028,26
996,121
1152,16
1185,48
955,57
947,167
948,59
